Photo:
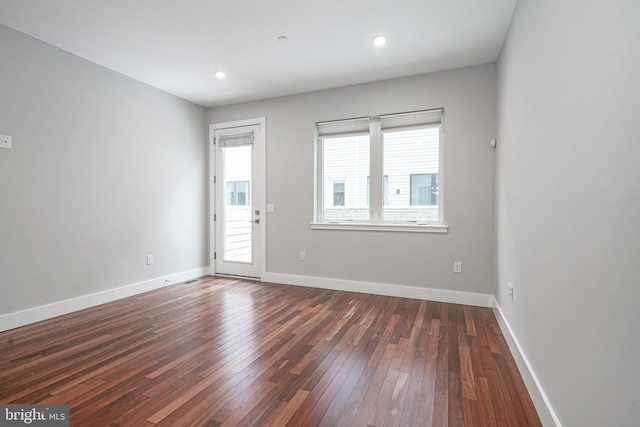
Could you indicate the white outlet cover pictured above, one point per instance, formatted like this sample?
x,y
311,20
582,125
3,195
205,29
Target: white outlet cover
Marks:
x,y
5,141
457,267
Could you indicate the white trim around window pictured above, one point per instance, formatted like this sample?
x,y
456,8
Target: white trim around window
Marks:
x,y
340,154
371,226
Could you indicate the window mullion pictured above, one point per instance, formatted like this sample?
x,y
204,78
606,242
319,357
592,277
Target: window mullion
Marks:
x,y
375,165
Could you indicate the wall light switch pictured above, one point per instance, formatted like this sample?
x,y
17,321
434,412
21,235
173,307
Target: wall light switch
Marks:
x,y
271,208
5,141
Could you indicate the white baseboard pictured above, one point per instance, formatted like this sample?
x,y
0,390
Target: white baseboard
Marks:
x,y
58,308
546,413
441,295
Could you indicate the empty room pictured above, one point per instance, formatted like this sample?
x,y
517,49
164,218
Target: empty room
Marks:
x,y
289,213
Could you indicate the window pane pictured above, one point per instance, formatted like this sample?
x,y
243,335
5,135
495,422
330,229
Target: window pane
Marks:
x,y
236,219
424,189
231,193
410,159
345,168
242,188
238,193
338,194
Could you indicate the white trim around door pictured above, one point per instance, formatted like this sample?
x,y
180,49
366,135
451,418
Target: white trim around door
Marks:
x,y
259,183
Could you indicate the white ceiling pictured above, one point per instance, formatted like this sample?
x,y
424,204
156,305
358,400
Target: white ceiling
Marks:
x,y
175,45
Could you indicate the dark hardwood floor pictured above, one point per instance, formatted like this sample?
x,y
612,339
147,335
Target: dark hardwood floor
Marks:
x,y
227,352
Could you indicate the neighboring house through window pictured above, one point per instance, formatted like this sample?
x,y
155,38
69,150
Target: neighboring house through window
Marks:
x,y
237,193
424,189
338,193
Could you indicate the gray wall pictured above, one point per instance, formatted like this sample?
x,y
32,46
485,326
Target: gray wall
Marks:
x,y
104,170
568,202
424,260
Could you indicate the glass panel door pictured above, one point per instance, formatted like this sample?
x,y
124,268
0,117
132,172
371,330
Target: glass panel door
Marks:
x,y
238,174
237,207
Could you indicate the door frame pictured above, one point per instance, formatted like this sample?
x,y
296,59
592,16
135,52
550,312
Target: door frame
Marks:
x,y
260,181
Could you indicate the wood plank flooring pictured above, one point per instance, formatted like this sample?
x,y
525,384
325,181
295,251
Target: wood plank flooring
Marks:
x,y
229,352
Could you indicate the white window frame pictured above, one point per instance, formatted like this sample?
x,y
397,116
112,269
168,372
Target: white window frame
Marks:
x,y
391,121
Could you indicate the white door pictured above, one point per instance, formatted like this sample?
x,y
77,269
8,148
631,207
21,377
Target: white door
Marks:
x,y
238,182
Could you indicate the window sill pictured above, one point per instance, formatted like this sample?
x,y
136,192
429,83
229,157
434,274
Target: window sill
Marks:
x,y
359,226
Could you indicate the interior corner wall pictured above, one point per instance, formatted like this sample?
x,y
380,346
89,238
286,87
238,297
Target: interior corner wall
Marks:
x,y
568,203
417,260
104,170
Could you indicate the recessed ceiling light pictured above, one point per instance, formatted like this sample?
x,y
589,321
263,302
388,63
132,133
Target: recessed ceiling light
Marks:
x,y
380,40
220,74
283,39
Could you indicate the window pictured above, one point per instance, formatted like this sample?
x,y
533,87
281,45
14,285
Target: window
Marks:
x,y
338,193
237,193
424,189
344,170
380,170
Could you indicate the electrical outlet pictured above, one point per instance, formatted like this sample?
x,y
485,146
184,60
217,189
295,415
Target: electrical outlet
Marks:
x,y
457,267
149,259
5,141
510,292
303,257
